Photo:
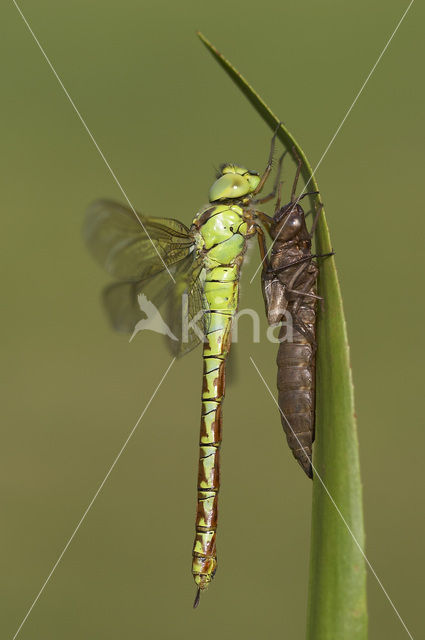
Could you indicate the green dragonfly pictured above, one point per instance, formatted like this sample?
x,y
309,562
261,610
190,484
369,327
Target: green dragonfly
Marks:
x,y
192,274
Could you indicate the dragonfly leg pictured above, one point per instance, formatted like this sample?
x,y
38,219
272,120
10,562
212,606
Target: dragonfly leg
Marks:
x,y
277,183
269,163
304,293
302,328
297,174
308,193
262,246
305,259
324,255
310,211
303,266
315,219
265,219
278,199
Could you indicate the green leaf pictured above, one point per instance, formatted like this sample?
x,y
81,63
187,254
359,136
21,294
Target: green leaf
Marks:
x,y
337,590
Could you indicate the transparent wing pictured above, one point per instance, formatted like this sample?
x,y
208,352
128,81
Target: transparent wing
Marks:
x,y
174,309
186,308
121,300
129,250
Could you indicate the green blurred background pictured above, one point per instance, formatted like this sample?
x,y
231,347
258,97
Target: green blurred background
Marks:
x,y
165,115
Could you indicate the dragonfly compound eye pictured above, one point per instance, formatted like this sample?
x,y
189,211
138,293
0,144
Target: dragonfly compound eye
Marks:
x,y
230,185
288,227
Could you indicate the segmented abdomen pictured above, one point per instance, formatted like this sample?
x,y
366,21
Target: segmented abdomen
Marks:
x,y
222,240
296,386
289,287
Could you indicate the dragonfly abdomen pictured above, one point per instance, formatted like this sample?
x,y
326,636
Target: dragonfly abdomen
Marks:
x,y
204,548
216,348
223,243
296,387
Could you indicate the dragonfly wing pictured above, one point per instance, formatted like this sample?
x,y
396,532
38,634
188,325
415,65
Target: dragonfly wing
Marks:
x,y
133,248
120,302
186,309
125,306
174,309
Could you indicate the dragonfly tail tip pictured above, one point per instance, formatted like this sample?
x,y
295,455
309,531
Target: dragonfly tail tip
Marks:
x,y
197,598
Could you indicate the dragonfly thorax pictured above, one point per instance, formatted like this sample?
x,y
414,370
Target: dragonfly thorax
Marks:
x,y
233,182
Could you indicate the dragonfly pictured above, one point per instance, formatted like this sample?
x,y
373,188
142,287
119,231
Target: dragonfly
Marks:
x,y
193,274
289,280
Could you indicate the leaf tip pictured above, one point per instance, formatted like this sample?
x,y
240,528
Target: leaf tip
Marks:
x,y
208,44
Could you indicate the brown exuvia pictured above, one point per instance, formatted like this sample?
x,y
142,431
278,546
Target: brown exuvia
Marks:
x,y
289,289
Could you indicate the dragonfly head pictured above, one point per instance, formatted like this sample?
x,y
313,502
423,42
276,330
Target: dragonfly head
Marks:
x,y
287,222
233,182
